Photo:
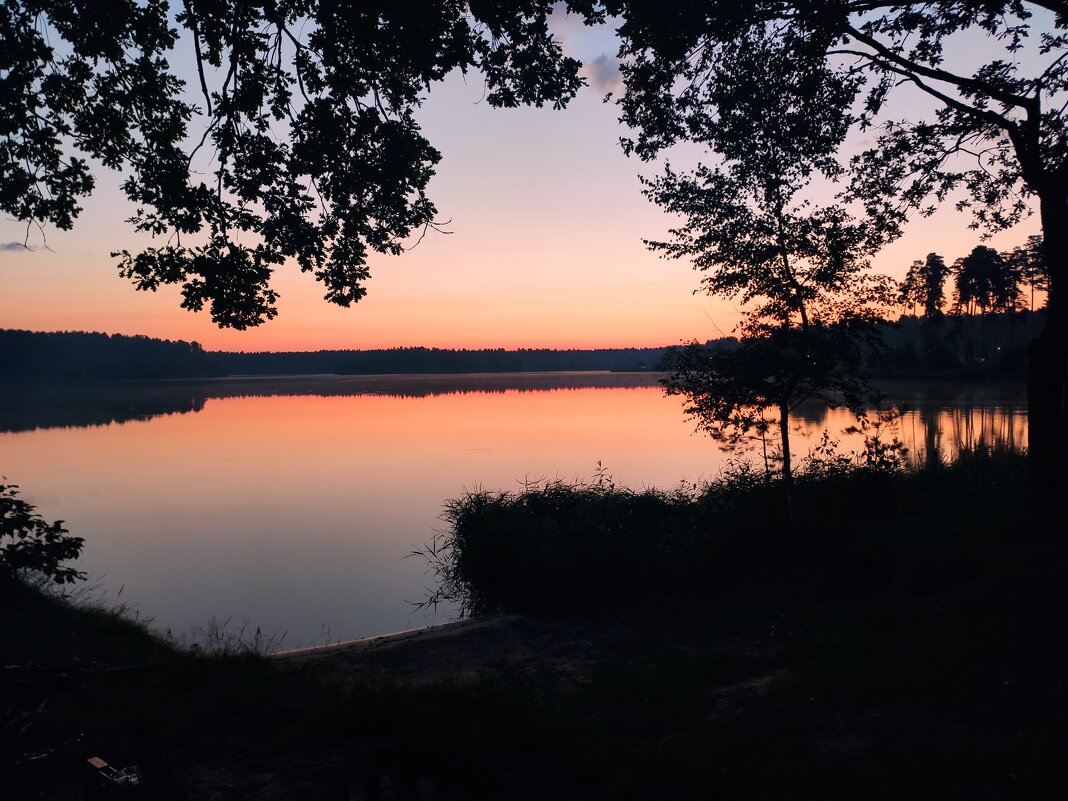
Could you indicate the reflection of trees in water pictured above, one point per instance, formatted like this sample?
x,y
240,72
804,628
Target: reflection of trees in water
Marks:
x,y
931,454
939,420
26,407
29,406
421,386
983,426
939,433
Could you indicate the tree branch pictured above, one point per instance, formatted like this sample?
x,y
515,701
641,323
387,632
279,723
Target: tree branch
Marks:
x,y
196,48
912,67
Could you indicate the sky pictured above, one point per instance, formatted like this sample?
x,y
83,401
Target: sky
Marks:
x,y
545,250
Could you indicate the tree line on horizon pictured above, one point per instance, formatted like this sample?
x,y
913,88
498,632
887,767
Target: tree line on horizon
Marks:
x,y
438,360
86,355
78,355
984,322
82,355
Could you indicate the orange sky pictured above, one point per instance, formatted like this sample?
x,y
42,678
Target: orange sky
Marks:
x,y
547,250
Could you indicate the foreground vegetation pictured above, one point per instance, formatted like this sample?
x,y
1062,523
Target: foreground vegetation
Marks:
x,y
899,640
559,546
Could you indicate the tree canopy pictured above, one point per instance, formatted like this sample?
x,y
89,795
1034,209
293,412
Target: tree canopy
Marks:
x,y
299,142
798,268
985,282
1002,116
924,286
1029,261
962,101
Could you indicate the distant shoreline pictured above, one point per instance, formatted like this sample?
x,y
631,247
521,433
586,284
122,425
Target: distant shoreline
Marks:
x,y
962,348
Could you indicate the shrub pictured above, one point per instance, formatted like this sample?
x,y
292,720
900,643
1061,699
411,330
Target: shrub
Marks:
x,y
30,545
560,546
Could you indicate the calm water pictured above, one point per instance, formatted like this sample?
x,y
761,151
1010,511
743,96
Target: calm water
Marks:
x,y
291,503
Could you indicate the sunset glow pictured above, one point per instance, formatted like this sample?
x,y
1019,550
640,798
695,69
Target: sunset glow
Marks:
x,y
546,219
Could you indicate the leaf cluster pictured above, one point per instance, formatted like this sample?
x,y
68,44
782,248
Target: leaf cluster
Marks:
x,y
986,280
85,81
924,285
995,132
30,545
728,390
308,150
784,258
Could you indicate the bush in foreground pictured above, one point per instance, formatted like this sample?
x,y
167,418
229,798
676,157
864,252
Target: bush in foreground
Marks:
x,y
572,546
30,545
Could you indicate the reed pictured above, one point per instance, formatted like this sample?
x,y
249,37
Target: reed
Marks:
x,y
573,546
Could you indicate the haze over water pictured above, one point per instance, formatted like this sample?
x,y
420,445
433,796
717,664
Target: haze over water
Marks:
x,y
290,505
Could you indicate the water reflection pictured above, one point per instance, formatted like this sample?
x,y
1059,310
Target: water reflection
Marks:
x,y
939,420
292,502
28,405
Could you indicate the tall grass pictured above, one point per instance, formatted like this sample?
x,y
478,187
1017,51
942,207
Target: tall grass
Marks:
x,y
558,545
582,540
53,624
228,639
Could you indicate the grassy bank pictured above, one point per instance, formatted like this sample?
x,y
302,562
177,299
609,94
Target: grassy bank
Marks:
x,y
45,628
907,645
558,546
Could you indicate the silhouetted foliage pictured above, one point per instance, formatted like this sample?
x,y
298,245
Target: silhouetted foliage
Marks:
x,y
438,360
924,286
305,125
749,223
996,138
593,543
1029,262
729,391
584,545
31,546
80,355
988,306
985,282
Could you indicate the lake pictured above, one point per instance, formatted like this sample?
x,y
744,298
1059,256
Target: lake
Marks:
x,y
289,504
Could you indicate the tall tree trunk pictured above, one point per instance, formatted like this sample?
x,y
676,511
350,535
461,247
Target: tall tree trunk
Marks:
x,y
1046,366
1031,308
787,466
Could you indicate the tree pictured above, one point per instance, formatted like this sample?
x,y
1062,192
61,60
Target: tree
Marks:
x,y
29,544
924,286
985,283
1029,262
910,290
309,134
798,268
994,139
932,276
730,390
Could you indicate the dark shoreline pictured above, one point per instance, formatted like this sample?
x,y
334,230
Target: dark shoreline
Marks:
x,y
811,681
